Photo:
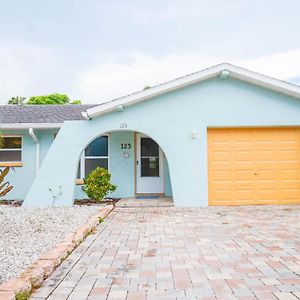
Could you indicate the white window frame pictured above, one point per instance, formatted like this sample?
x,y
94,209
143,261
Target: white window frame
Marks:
x,y
12,149
83,158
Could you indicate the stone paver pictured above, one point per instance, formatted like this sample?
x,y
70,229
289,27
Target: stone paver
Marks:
x,y
250,252
145,202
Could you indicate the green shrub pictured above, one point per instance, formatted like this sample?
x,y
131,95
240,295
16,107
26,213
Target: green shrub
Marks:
x,y
98,184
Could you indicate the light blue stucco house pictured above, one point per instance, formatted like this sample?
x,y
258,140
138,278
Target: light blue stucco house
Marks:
x,y
221,136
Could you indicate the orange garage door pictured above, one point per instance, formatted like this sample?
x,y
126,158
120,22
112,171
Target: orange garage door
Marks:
x,y
254,166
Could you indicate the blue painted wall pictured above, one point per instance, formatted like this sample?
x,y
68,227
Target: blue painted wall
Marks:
x,y
167,182
170,120
22,177
122,169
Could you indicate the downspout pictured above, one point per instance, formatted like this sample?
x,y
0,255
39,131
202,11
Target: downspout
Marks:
x,y
37,149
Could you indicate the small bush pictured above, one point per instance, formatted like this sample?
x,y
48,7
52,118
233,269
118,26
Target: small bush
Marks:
x,y
98,184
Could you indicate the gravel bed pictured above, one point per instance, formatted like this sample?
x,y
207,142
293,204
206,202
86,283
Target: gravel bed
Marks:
x,y
26,233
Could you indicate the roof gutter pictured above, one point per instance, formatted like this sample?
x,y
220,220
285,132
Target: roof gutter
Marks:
x,y
30,125
86,115
37,149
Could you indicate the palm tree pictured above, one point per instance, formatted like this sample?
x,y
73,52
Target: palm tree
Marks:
x,y
19,100
5,187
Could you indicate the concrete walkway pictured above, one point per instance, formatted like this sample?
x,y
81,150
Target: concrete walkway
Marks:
x,y
145,202
223,253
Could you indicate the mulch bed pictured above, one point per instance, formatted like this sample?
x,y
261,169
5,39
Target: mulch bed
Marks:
x,y
87,202
15,203
108,201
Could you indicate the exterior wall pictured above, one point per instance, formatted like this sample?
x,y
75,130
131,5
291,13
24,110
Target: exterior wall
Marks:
x,y
170,120
22,177
122,169
168,188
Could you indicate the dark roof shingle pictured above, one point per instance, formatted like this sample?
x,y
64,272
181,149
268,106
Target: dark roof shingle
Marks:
x,y
41,113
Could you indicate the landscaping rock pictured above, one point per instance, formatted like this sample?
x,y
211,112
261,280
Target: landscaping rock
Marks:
x,y
44,266
26,233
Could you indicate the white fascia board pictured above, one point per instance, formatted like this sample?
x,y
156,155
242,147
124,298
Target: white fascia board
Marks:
x,y
150,93
265,81
235,72
30,125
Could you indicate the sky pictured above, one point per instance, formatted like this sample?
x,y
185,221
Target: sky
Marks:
x,y
98,50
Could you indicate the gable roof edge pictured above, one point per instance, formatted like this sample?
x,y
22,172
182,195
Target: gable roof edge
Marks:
x,y
234,72
265,81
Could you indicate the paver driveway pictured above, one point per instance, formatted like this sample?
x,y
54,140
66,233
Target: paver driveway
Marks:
x,y
248,252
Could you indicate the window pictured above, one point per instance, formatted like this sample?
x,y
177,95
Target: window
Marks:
x,y
11,149
149,158
96,154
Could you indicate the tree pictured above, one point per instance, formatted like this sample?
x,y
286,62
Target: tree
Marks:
x,y
76,102
19,100
49,99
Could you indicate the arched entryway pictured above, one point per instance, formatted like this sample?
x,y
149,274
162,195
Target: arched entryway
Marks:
x,y
138,165
55,180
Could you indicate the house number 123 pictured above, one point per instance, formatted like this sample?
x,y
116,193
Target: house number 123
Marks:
x,y
125,146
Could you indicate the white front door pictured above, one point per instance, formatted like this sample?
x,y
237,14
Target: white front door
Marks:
x,y
149,166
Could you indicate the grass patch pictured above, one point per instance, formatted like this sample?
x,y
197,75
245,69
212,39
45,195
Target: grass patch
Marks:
x,y
22,296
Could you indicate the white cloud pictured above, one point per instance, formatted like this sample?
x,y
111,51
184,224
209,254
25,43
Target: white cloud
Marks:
x,y
111,79
13,78
28,70
281,65
25,70
114,79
